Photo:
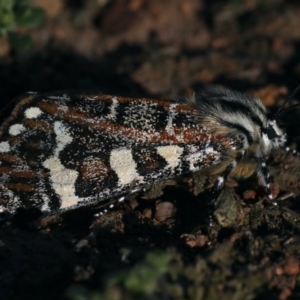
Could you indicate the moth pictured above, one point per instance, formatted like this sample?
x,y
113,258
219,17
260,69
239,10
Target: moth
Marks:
x,y
61,151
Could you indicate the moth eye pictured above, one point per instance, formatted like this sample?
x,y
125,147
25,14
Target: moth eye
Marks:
x,y
271,133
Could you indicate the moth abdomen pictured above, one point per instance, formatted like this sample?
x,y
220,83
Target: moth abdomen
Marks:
x,y
61,151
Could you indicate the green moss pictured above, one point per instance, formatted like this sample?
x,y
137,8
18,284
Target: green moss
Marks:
x,y
165,276
16,15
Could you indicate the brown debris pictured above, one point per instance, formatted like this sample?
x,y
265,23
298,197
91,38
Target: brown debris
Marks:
x,y
164,210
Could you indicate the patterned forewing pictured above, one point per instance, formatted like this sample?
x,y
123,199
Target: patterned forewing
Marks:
x,y
63,151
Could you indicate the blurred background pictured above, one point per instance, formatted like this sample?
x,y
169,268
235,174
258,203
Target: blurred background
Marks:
x,y
147,47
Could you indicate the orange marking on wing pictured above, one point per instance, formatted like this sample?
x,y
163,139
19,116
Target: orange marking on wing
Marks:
x,y
13,172
21,187
189,135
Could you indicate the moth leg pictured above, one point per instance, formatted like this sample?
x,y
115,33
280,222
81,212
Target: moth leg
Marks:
x,y
109,206
221,180
121,199
295,152
264,175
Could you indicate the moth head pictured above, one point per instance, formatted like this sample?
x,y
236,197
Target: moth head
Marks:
x,y
272,136
235,114
273,132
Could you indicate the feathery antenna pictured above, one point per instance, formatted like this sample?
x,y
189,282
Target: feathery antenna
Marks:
x,y
281,108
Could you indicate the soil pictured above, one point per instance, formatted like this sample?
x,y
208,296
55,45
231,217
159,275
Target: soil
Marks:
x,y
141,48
